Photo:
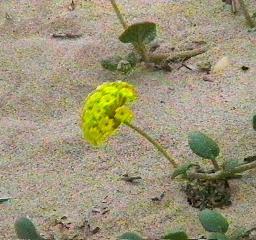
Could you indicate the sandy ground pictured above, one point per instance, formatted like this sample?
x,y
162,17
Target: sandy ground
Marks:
x,y
51,172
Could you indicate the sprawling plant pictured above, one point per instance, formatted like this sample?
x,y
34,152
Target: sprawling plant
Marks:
x,y
106,109
213,222
26,230
141,35
109,106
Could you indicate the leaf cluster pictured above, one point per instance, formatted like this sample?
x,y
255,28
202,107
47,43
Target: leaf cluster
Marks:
x,y
213,222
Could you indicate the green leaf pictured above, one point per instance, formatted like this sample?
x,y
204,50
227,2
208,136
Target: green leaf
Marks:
x,y
111,63
203,146
143,32
132,58
176,235
230,165
213,221
5,199
218,236
26,230
182,170
254,122
130,236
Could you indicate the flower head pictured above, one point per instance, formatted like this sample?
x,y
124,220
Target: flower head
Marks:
x,y
105,109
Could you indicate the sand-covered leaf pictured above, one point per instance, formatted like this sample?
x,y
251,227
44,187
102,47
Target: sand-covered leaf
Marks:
x,y
182,170
239,233
203,146
143,32
213,221
176,235
111,63
218,236
130,236
230,165
133,59
124,66
117,63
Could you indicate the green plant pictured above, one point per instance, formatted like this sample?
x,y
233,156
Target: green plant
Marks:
x,y
176,235
141,35
26,230
254,122
213,223
4,199
130,236
122,64
138,34
204,147
109,106
106,109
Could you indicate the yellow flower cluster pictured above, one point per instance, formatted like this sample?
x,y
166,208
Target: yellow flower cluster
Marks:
x,y
105,109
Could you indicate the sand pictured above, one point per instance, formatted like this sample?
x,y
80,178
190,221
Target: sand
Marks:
x,y
51,172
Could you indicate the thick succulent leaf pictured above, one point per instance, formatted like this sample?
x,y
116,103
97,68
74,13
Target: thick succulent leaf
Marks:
x,y
218,236
111,63
182,170
254,122
213,221
176,235
230,165
130,236
203,146
26,230
144,32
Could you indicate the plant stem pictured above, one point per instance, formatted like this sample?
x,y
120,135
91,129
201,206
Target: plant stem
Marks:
x,y
233,6
246,14
179,56
215,164
219,174
222,174
158,146
245,167
140,48
119,15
